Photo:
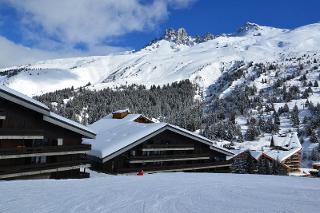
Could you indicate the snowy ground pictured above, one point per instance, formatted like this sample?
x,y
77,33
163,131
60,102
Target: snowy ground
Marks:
x,y
166,192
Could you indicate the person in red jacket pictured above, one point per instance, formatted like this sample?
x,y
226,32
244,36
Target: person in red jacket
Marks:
x,y
140,173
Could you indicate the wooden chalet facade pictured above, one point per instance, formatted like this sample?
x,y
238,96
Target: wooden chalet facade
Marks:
x,y
275,161
129,143
35,142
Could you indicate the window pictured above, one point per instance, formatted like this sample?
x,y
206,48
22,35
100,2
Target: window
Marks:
x,y
43,159
60,141
2,117
39,159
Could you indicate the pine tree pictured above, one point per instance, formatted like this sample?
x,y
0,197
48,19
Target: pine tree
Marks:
x,y
307,103
252,132
285,108
295,116
276,119
313,137
272,142
305,94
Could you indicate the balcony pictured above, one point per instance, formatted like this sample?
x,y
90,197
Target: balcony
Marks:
x,y
169,147
22,151
165,158
176,168
36,169
21,134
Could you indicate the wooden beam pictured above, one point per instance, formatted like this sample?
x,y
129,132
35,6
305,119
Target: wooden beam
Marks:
x,y
44,171
167,149
42,154
24,137
169,159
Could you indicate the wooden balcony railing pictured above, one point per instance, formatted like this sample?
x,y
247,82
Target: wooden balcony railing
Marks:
x,y
147,157
179,167
162,158
19,150
21,132
164,147
38,167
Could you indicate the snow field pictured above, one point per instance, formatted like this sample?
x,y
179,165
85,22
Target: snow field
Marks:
x,y
166,192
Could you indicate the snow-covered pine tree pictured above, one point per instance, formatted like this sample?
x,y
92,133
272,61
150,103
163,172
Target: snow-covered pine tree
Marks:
x,y
295,116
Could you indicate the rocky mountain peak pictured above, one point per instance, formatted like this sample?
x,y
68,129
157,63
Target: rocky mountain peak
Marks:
x,y
247,27
179,36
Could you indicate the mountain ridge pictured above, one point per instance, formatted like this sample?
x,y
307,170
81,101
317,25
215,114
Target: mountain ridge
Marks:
x,y
176,56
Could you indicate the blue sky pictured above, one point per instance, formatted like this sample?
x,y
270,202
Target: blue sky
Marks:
x,y
227,16
40,29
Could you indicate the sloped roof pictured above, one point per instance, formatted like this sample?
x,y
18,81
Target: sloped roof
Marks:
x,y
290,143
115,136
255,154
69,124
34,105
21,99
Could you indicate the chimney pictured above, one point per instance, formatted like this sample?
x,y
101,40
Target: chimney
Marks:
x,y
120,114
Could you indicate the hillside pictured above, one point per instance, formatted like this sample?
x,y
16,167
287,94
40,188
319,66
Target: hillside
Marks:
x,y
174,57
247,86
170,192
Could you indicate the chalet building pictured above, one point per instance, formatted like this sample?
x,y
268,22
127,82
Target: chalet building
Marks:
x,y
316,165
35,142
282,157
128,143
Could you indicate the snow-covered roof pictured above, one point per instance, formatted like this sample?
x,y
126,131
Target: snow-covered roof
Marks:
x,y
21,99
290,144
255,154
29,103
115,136
122,111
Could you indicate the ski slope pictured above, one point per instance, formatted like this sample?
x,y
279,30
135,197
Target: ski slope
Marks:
x,y
166,192
164,61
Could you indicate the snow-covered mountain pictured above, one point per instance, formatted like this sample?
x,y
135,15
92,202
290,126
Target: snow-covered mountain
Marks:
x,y
175,56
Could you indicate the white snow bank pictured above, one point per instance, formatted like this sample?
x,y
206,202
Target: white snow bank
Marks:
x,y
167,192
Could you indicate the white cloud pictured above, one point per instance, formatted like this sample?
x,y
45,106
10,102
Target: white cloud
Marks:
x,y
55,26
14,54
92,21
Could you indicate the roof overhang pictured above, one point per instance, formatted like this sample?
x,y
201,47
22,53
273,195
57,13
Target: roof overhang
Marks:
x,y
69,126
34,105
160,130
23,102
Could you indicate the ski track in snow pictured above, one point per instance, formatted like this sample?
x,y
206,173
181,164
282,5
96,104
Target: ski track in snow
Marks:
x,y
166,192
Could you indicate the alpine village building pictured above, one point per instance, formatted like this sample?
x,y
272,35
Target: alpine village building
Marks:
x,y
281,157
129,143
36,143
